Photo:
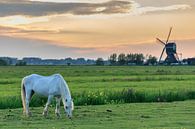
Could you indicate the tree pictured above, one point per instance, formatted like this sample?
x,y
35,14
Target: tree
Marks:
x,y
136,58
139,59
130,58
21,63
151,60
99,62
122,59
3,62
113,59
69,61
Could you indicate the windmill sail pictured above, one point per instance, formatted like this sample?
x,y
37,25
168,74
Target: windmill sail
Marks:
x,y
170,48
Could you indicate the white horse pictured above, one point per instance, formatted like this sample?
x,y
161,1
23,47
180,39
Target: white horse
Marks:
x,y
49,86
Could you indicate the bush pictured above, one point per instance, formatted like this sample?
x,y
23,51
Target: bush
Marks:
x,y
107,97
100,62
3,62
21,63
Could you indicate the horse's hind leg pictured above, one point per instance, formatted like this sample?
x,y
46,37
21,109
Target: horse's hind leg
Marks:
x,y
28,96
45,111
57,110
31,94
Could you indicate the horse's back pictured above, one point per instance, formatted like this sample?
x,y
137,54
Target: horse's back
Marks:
x,y
37,76
43,84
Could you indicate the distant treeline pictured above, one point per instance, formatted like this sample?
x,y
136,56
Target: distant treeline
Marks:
x,y
39,61
129,59
113,60
3,62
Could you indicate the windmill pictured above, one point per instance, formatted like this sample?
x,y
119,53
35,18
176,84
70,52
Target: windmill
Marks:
x,y
170,48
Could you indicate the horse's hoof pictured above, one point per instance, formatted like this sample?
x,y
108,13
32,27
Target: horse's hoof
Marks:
x,y
45,113
58,115
29,114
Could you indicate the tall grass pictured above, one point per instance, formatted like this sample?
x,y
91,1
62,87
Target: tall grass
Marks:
x,y
107,97
131,96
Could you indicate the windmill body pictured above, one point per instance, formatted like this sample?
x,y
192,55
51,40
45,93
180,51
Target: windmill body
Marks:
x,y
171,51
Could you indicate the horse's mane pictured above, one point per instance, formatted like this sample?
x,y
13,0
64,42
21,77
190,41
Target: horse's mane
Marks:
x,y
65,92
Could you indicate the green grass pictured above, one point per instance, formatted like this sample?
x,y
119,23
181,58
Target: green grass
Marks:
x,y
105,84
98,89
176,115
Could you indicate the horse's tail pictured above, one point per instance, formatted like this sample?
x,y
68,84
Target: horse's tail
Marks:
x,y
23,95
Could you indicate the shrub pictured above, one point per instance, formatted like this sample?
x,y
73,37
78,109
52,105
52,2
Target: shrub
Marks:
x,y
106,97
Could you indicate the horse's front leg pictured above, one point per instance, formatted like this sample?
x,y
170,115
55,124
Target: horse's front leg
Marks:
x,y
45,111
57,110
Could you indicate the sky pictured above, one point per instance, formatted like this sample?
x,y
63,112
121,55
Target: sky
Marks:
x,y
94,28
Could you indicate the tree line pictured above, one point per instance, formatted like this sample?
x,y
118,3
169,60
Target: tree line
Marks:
x,y
114,59
5,63
129,59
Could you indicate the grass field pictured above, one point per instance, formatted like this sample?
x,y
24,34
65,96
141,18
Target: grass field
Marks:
x,y
123,90
176,115
92,85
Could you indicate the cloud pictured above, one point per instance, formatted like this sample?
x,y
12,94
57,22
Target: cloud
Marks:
x,y
72,1
4,30
21,20
36,8
40,8
144,10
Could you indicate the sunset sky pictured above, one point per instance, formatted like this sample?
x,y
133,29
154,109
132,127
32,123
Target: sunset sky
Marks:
x,y
94,28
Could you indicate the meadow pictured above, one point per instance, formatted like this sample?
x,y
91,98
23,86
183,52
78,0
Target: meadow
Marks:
x,y
106,97
94,85
175,115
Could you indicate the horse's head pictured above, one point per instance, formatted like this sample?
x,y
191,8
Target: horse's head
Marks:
x,y
69,107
